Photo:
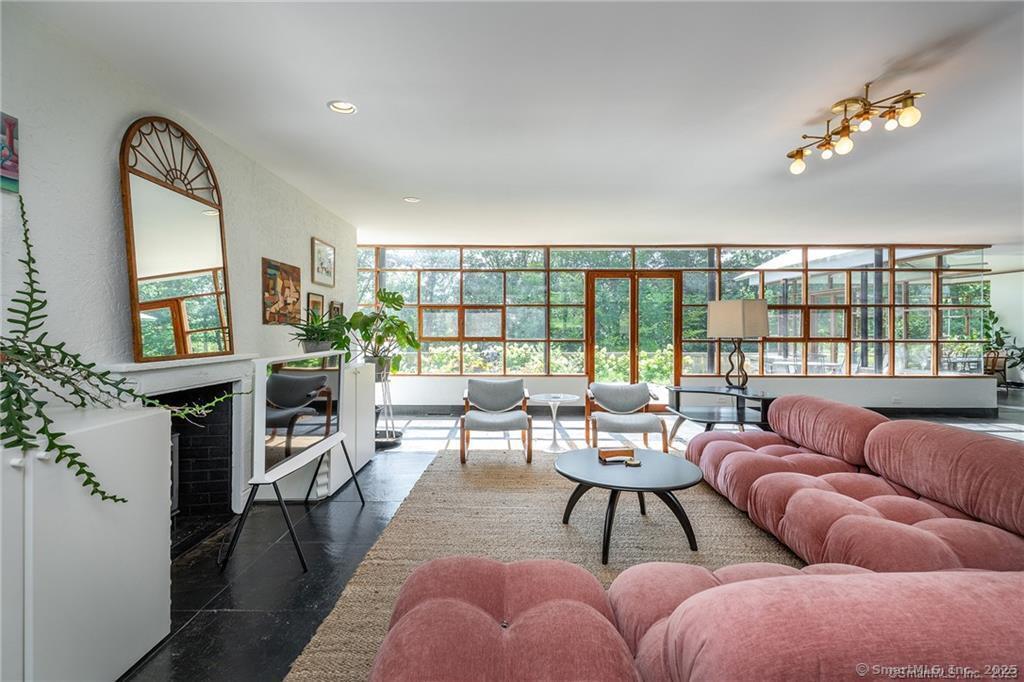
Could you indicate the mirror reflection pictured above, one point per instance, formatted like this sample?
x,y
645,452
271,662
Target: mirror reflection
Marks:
x,y
302,407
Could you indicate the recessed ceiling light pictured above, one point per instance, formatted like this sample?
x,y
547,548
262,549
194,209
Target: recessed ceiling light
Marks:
x,y
211,212
411,200
339,107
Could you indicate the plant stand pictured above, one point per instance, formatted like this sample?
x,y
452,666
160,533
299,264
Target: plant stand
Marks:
x,y
389,437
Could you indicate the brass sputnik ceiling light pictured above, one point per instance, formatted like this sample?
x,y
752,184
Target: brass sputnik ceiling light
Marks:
x,y
896,110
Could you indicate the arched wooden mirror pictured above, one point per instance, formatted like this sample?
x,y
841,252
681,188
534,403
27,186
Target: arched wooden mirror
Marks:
x,y
174,229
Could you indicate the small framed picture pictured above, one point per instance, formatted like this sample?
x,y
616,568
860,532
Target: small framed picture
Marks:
x,y
322,255
336,308
315,302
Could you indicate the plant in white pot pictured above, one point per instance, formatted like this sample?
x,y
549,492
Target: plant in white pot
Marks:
x,y
381,335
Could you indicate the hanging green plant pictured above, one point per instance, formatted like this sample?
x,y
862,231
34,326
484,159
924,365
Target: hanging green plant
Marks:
x,y
35,371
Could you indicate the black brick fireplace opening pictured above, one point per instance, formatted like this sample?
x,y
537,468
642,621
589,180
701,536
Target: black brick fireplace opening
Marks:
x,y
201,470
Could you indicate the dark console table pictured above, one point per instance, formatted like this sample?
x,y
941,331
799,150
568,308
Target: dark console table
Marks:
x,y
739,414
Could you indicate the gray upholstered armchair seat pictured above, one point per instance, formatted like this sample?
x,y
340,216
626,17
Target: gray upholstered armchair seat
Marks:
x,y
496,405
477,420
640,422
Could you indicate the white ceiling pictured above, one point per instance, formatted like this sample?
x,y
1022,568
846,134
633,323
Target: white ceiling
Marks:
x,y
598,123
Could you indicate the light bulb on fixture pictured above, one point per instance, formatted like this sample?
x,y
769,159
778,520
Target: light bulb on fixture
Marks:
x,y
845,145
864,125
799,165
826,149
827,154
909,114
890,120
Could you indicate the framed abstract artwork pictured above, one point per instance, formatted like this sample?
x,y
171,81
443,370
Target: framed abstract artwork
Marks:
x,y
282,297
315,302
9,176
322,256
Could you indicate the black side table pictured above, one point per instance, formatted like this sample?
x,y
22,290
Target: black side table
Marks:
x,y
739,414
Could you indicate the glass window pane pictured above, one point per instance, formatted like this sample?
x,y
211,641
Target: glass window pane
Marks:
x,y
210,341
482,357
961,358
525,322
402,282
498,259
525,357
782,358
695,322
700,287
365,256
157,327
916,258
567,287
967,260
482,323
826,288
571,259
869,287
367,289
419,258
202,313
567,357
672,259
408,362
913,358
783,288
839,258
177,285
440,323
698,358
827,323
612,340
566,322
767,258
962,323
439,287
869,357
826,358
526,287
409,315
439,357
913,323
736,284
869,323
913,287
751,356
483,287
785,322
964,289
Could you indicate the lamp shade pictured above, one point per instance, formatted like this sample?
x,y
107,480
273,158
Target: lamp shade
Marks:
x,y
743,319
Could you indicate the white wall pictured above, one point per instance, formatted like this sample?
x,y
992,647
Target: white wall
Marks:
x,y
928,392
1007,298
73,110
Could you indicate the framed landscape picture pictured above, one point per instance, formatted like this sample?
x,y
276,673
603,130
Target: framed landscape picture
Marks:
x,y
315,302
282,295
322,255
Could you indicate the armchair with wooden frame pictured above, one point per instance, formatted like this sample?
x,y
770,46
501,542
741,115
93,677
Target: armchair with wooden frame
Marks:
x,y
621,408
496,405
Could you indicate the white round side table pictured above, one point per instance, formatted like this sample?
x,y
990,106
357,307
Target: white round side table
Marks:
x,y
553,400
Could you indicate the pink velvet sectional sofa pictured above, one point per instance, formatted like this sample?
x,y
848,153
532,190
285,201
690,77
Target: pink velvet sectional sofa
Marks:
x,y
468,618
841,484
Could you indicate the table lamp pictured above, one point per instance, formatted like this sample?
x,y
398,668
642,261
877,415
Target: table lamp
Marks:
x,y
737,320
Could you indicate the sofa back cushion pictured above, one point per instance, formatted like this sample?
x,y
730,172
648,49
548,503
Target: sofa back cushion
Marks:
x,y
825,426
975,473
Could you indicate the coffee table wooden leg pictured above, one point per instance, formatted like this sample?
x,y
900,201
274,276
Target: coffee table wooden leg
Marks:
x,y
643,505
573,499
672,503
609,517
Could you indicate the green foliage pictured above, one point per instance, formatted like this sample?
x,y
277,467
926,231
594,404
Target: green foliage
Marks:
x,y
997,338
35,370
380,333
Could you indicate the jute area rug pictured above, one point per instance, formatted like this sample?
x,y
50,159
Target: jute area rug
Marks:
x,y
498,506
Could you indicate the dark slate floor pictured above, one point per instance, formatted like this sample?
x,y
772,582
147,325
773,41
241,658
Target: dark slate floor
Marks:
x,y
250,622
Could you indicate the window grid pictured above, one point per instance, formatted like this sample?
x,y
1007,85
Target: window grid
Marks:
x,y
874,295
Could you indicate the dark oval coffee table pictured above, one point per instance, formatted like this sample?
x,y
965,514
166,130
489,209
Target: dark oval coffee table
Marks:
x,y
659,474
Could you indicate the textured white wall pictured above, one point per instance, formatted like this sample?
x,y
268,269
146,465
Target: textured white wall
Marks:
x,y
73,109
1008,302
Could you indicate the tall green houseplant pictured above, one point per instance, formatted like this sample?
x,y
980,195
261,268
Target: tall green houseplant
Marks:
x,y
381,335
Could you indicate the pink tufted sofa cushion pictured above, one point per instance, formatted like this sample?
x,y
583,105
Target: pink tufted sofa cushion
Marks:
x,y
813,436
865,520
468,618
973,473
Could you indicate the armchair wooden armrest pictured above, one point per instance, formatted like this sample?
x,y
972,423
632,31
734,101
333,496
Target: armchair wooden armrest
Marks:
x,y
526,397
465,400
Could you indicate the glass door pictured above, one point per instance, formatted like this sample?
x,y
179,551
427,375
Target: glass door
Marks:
x,y
632,327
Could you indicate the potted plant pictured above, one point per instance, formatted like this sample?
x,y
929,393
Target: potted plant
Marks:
x,y
380,334
315,333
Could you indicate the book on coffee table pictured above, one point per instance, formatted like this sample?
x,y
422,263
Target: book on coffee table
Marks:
x,y
615,455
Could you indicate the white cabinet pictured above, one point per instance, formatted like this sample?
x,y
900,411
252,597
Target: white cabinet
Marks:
x,y
86,583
